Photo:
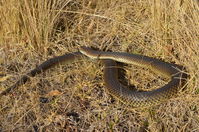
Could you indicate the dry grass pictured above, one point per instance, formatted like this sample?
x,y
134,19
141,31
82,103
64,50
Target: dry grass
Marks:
x,y
32,31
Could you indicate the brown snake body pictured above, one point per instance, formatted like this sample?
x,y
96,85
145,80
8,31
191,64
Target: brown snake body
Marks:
x,y
145,98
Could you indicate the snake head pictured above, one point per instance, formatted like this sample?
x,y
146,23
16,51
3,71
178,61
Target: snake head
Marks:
x,y
94,54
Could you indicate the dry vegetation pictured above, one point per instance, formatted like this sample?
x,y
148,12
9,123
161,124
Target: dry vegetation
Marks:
x,y
32,31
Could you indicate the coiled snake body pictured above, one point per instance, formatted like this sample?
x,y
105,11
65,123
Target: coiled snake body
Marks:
x,y
145,98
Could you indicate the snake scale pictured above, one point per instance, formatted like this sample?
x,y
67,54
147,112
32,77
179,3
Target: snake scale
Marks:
x,y
174,72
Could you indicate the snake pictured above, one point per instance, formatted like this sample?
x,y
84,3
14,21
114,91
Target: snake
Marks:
x,y
176,74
